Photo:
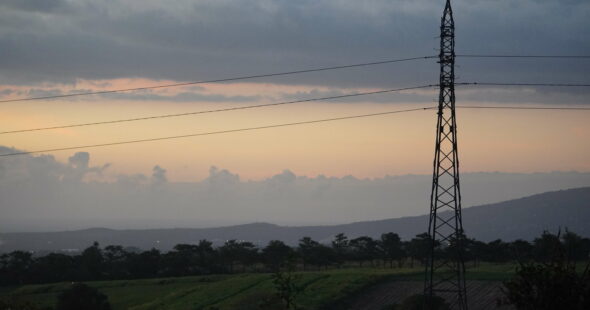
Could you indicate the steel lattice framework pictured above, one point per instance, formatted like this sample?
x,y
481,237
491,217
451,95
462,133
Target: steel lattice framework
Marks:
x,y
445,270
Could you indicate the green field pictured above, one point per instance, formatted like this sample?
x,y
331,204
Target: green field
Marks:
x,y
321,288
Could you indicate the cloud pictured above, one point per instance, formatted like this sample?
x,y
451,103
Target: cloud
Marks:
x,y
79,160
193,95
40,193
181,97
34,5
187,40
159,175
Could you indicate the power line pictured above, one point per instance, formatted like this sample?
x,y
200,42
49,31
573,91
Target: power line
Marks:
x,y
525,84
288,73
219,132
520,108
523,56
219,110
222,79
286,125
311,100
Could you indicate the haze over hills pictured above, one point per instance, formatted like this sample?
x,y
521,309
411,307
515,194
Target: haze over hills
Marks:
x,y
41,193
523,218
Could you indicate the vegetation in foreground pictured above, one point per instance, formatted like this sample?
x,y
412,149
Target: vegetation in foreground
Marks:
x,y
547,285
238,291
288,286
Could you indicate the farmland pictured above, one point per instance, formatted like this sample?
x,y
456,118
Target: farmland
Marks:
x,y
321,289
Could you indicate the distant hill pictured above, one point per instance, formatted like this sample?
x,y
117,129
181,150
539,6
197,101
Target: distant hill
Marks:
x,y
523,218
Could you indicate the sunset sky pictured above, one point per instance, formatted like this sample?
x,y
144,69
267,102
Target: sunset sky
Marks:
x,y
59,46
64,46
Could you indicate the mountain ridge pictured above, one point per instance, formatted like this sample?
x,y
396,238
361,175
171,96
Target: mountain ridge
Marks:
x,y
522,218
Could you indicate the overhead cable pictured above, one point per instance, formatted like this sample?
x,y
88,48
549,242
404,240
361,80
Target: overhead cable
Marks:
x,y
220,110
217,132
525,84
229,79
524,56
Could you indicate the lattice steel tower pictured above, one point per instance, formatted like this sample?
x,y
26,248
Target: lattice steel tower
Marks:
x,y
445,270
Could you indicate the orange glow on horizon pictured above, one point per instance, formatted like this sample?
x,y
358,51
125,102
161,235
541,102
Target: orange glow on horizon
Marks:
x,y
489,140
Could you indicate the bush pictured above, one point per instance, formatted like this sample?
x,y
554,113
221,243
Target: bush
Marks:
x,y
548,286
81,296
11,303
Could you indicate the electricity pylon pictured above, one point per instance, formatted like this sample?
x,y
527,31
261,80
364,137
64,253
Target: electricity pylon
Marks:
x,y
445,269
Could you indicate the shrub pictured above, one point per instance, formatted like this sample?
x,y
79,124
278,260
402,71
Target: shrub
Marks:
x,y
81,296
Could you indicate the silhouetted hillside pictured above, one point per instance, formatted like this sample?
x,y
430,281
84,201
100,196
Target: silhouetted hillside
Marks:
x,y
523,218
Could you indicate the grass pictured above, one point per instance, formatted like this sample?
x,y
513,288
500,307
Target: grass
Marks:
x,y
321,288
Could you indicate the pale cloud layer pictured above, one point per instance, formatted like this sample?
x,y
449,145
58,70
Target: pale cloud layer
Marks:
x,y
60,41
40,193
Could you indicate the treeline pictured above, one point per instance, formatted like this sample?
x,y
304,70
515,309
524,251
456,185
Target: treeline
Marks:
x,y
116,262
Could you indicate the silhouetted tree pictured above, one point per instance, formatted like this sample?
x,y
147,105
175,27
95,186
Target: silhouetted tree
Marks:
x,y
115,258
392,248
275,254
206,257
91,263
306,250
116,262
16,267
576,247
340,245
497,251
364,249
419,248
522,249
182,260
53,267
322,256
234,251
145,264
247,254
545,247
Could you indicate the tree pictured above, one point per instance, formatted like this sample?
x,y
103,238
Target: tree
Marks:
x,y
419,248
115,257
145,264
322,256
306,247
53,267
545,247
523,250
497,251
81,296
340,245
275,254
576,247
363,249
16,267
238,251
92,262
392,248
474,250
182,260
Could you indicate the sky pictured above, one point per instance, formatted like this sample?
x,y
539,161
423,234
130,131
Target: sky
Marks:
x,y
54,47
